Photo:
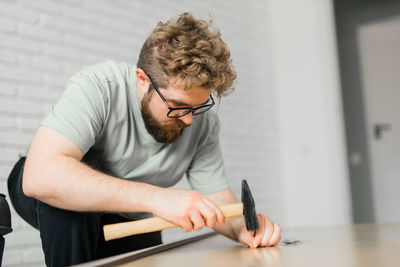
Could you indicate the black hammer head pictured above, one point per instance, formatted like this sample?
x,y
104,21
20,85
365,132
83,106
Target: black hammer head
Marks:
x,y
249,208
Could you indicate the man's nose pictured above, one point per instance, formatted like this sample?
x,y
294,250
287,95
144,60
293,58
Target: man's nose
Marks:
x,y
187,119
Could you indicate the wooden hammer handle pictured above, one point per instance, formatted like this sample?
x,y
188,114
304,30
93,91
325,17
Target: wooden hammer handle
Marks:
x,y
119,230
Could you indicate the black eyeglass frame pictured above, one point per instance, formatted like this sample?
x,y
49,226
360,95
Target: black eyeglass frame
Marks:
x,y
189,109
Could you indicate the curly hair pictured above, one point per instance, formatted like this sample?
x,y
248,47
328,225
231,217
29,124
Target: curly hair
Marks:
x,y
189,49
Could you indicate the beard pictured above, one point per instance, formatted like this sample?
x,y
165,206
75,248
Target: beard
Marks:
x,y
167,132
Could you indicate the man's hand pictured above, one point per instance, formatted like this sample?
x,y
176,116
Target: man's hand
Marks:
x,y
268,234
188,209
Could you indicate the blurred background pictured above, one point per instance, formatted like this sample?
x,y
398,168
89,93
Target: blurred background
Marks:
x,y
313,123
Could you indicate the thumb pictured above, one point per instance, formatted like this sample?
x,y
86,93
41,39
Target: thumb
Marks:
x,y
246,237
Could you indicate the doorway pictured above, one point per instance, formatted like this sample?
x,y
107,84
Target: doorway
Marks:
x,y
379,46
368,36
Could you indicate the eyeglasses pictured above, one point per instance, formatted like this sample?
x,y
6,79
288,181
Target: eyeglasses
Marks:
x,y
180,112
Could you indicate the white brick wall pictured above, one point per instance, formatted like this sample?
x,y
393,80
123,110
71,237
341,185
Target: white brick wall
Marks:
x,y
44,42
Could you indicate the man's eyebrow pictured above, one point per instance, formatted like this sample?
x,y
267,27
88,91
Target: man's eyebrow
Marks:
x,y
180,103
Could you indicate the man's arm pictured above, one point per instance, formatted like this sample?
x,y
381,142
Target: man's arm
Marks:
x,y
54,174
269,233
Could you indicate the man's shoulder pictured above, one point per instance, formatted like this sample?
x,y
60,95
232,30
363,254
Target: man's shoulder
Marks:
x,y
106,71
206,123
211,117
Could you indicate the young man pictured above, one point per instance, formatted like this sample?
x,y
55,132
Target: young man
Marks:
x,y
120,135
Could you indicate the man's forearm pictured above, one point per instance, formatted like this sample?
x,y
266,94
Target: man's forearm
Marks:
x,y
67,183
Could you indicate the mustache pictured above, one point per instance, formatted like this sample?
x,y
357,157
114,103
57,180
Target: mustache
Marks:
x,y
177,124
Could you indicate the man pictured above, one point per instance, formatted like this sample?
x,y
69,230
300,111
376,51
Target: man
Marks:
x,y
120,135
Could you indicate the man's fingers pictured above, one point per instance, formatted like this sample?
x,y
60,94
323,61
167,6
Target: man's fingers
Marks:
x,y
209,215
247,238
186,224
217,210
197,221
268,230
276,236
268,234
257,241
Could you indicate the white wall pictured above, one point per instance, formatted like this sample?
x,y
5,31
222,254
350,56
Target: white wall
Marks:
x,y
281,128
311,130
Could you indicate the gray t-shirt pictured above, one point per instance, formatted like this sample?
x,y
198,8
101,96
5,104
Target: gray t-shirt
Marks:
x,y
100,112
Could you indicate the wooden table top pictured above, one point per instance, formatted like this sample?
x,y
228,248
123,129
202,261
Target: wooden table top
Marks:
x,y
354,245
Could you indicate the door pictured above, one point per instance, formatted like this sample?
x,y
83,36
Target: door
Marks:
x,y
379,46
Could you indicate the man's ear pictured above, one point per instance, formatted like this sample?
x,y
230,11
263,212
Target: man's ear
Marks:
x,y
142,82
141,78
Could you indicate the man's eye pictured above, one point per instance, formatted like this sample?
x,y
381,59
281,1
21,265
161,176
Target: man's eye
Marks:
x,y
174,105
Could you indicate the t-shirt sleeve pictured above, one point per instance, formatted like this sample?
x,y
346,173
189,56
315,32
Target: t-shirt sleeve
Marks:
x,y
206,172
80,112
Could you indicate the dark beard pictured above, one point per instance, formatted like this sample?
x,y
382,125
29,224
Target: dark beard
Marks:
x,y
162,133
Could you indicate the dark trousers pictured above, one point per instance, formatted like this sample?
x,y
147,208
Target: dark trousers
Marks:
x,y
70,237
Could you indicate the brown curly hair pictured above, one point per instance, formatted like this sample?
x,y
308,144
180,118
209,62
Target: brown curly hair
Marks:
x,y
190,49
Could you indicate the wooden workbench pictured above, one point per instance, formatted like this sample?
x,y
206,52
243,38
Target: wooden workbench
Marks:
x,y
357,245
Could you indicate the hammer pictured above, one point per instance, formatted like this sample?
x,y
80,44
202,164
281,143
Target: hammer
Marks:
x,y
246,208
